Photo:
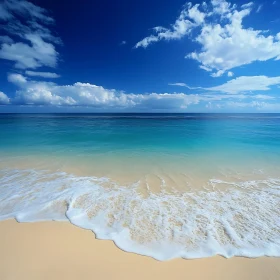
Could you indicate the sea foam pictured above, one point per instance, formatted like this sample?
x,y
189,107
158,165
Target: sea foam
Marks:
x,y
242,220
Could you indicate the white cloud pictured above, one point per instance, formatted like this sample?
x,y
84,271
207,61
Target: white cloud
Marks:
x,y
4,99
189,18
85,94
225,42
40,53
217,74
205,68
24,8
243,106
248,5
221,7
258,105
26,22
178,84
247,84
42,74
230,74
259,8
35,93
123,43
184,85
264,97
243,84
196,15
17,79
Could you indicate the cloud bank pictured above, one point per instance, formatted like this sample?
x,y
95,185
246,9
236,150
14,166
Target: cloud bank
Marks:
x,y
38,93
85,94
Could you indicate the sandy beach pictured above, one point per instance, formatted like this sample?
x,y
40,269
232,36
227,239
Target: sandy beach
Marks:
x,y
59,250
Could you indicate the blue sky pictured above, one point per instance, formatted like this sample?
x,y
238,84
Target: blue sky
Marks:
x,y
144,56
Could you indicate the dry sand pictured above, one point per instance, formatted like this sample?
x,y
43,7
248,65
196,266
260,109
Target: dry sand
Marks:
x,y
59,250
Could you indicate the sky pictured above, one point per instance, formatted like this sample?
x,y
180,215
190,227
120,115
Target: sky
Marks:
x,y
139,56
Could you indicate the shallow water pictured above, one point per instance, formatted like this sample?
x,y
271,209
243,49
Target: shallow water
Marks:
x,y
180,185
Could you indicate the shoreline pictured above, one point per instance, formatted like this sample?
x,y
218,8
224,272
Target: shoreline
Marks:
x,y
60,250
163,225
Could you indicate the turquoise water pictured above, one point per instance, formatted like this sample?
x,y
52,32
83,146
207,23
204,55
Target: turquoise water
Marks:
x,y
223,138
204,184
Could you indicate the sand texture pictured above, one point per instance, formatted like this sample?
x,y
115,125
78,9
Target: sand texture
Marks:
x,y
59,250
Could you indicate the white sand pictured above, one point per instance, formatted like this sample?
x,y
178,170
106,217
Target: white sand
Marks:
x,y
57,250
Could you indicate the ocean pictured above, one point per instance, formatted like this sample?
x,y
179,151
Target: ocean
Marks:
x,y
160,185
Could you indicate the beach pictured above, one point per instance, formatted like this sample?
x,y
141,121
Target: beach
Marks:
x,y
59,250
164,196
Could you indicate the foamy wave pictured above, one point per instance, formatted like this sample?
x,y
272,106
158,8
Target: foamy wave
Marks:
x,y
243,220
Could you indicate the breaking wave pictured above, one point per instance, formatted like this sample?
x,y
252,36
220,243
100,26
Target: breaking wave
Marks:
x,y
240,220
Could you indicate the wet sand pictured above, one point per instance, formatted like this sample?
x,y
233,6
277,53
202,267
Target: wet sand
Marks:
x,y
59,250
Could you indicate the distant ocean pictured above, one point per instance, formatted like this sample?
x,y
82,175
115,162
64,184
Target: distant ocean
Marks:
x,y
161,185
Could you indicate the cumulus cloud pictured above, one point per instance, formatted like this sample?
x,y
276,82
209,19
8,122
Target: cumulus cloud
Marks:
x,y
228,44
42,74
224,41
243,84
32,44
85,94
4,99
189,18
184,85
